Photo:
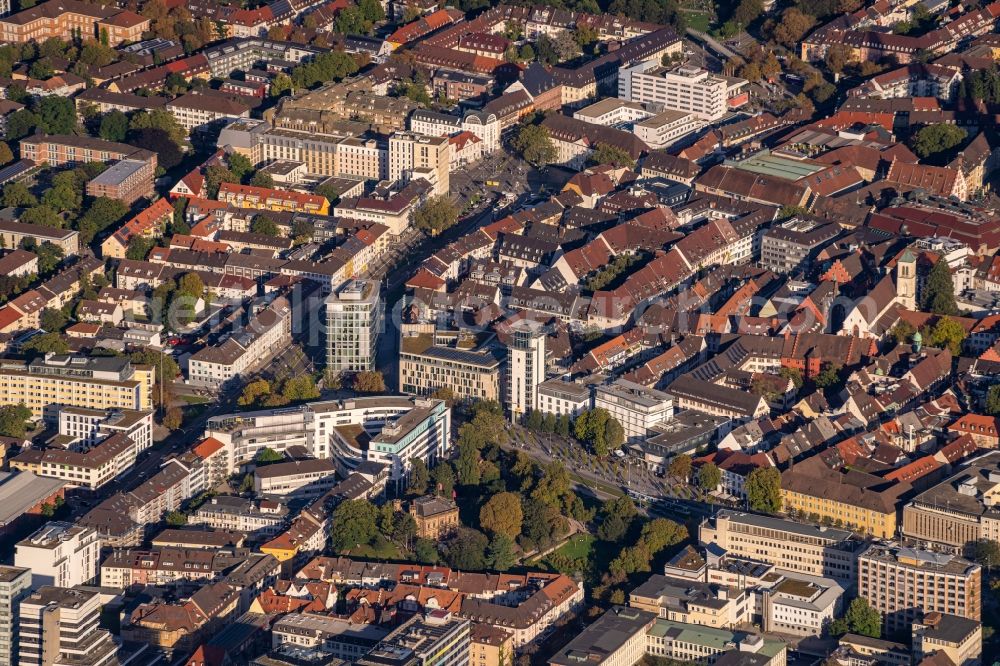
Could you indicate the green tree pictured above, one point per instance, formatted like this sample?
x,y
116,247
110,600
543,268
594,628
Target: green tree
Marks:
x,y
52,320
57,115
763,488
937,138
354,523
987,553
993,400
173,419
605,153
793,374
176,519
45,343
467,464
254,393
281,84
425,551
709,477
16,194
21,123
262,179
466,550
102,214
443,478
502,514
863,619
49,256
592,428
371,10
262,224
139,247
661,533
829,376
903,332
299,389
563,425
267,456
369,381
534,145
436,214
42,215
793,27
14,420
114,126
240,166
215,175
939,291
500,554
6,154
680,466
948,334
419,477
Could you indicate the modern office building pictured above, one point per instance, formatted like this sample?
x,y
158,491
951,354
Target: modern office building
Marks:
x,y
15,584
809,549
617,638
100,382
467,363
904,583
436,638
59,625
60,554
684,642
956,513
422,433
354,320
345,430
636,407
525,371
557,396
683,88
413,156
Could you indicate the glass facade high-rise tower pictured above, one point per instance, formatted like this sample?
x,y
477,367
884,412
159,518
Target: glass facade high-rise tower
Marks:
x,y
354,318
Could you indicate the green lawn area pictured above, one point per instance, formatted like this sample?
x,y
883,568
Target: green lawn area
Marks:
x,y
579,545
195,399
584,554
697,20
384,550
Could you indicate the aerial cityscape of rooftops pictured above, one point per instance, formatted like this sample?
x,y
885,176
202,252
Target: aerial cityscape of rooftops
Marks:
x,y
499,333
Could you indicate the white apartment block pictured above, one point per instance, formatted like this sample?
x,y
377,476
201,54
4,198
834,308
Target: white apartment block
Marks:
x,y
89,426
335,429
59,625
682,89
663,129
257,519
193,111
298,478
613,112
60,554
15,584
525,371
485,126
89,468
636,407
413,156
559,397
